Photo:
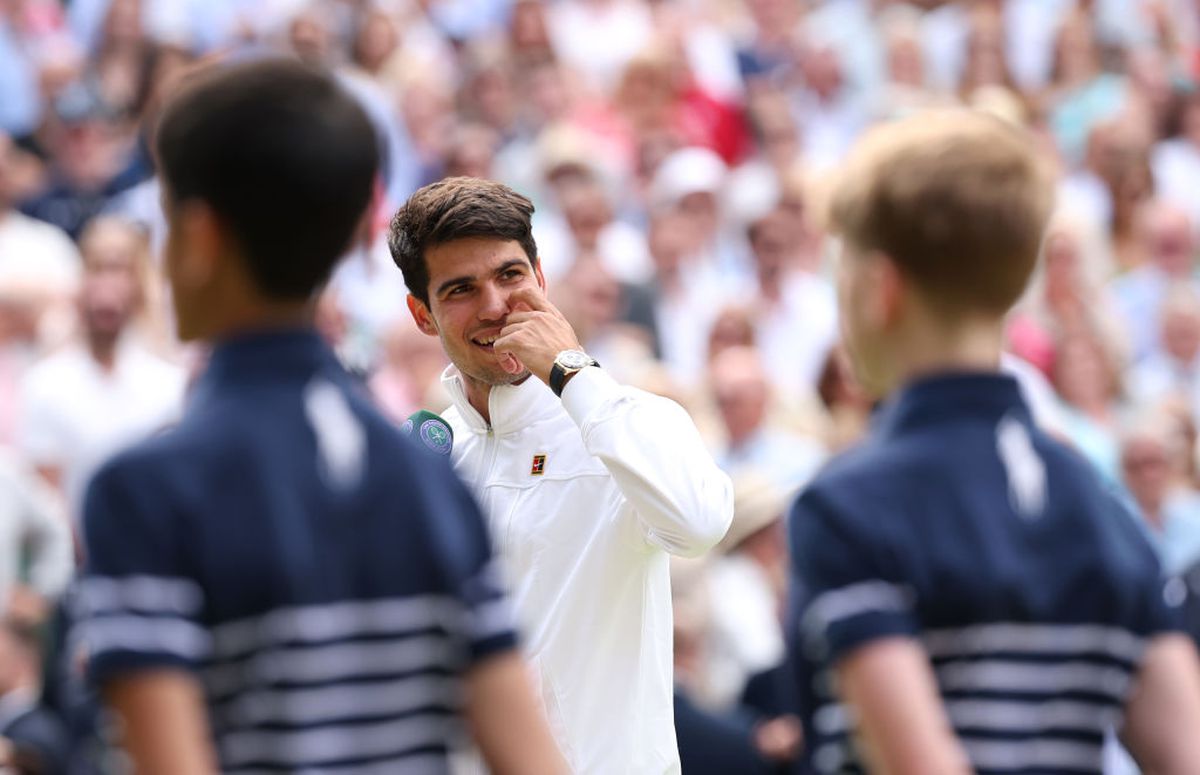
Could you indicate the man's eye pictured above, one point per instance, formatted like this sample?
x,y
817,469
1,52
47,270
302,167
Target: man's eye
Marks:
x,y
459,290
512,274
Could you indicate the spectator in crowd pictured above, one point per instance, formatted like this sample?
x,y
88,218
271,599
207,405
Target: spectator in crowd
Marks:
x,y
31,251
37,554
1087,378
710,741
592,301
681,302
1173,372
1170,239
109,386
789,299
743,395
1176,159
1068,292
91,161
1153,460
408,371
747,581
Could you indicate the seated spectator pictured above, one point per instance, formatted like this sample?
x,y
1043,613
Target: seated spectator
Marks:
x,y
1139,294
742,392
710,742
1087,378
91,162
592,301
31,251
1152,458
409,369
748,579
790,299
37,555
108,387
1173,371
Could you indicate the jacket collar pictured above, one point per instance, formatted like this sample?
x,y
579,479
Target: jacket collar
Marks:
x,y
949,397
512,407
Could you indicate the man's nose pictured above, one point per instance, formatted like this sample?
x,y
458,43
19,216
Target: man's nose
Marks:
x,y
494,304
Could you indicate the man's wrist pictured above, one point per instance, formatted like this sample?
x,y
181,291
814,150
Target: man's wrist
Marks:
x,y
566,365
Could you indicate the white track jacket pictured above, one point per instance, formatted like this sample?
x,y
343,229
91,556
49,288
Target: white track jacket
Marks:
x,y
585,498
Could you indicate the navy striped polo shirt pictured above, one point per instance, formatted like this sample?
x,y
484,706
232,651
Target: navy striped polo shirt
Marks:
x,y
959,524
327,581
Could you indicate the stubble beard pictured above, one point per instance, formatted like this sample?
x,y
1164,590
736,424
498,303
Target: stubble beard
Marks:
x,y
482,374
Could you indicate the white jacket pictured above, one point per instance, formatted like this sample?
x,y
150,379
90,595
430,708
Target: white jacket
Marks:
x,y
625,479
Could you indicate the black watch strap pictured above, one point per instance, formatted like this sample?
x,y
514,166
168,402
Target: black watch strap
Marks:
x,y
558,376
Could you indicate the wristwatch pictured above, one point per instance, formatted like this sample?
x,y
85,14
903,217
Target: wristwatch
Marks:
x,y
565,363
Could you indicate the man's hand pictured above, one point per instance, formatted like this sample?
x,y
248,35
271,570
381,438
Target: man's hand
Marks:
x,y
535,332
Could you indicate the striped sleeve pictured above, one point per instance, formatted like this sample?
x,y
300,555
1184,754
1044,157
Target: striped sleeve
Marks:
x,y
846,594
133,607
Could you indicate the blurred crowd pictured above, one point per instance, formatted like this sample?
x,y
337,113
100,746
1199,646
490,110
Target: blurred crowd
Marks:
x,y
678,153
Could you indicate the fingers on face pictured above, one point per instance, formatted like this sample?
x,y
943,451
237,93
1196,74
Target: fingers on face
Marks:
x,y
529,299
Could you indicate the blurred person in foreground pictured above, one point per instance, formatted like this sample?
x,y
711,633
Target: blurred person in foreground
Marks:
x,y
961,577
109,387
334,582
589,485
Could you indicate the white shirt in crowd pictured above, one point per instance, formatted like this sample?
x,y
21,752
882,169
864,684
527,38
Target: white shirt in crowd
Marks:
x,y
74,414
599,39
796,336
30,517
586,497
746,631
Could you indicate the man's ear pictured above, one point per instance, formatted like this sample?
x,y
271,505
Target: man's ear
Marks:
x,y
421,315
541,278
890,289
203,245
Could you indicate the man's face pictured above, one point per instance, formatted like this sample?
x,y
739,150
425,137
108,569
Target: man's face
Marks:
x,y
109,294
1146,471
742,402
1181,333
1171,243
470,283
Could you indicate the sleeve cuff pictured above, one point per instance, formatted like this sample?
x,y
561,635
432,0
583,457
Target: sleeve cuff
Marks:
x,y
586,391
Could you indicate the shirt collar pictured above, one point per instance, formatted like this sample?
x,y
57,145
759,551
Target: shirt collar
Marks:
x,y
952,396
512,407
290,354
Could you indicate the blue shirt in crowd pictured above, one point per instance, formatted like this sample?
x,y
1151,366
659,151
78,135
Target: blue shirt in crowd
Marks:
x,y
326,581
959,524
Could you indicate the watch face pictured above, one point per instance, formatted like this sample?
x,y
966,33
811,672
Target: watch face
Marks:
x,y
574,359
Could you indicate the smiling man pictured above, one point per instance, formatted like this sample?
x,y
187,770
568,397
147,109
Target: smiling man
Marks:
x,y
587,485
